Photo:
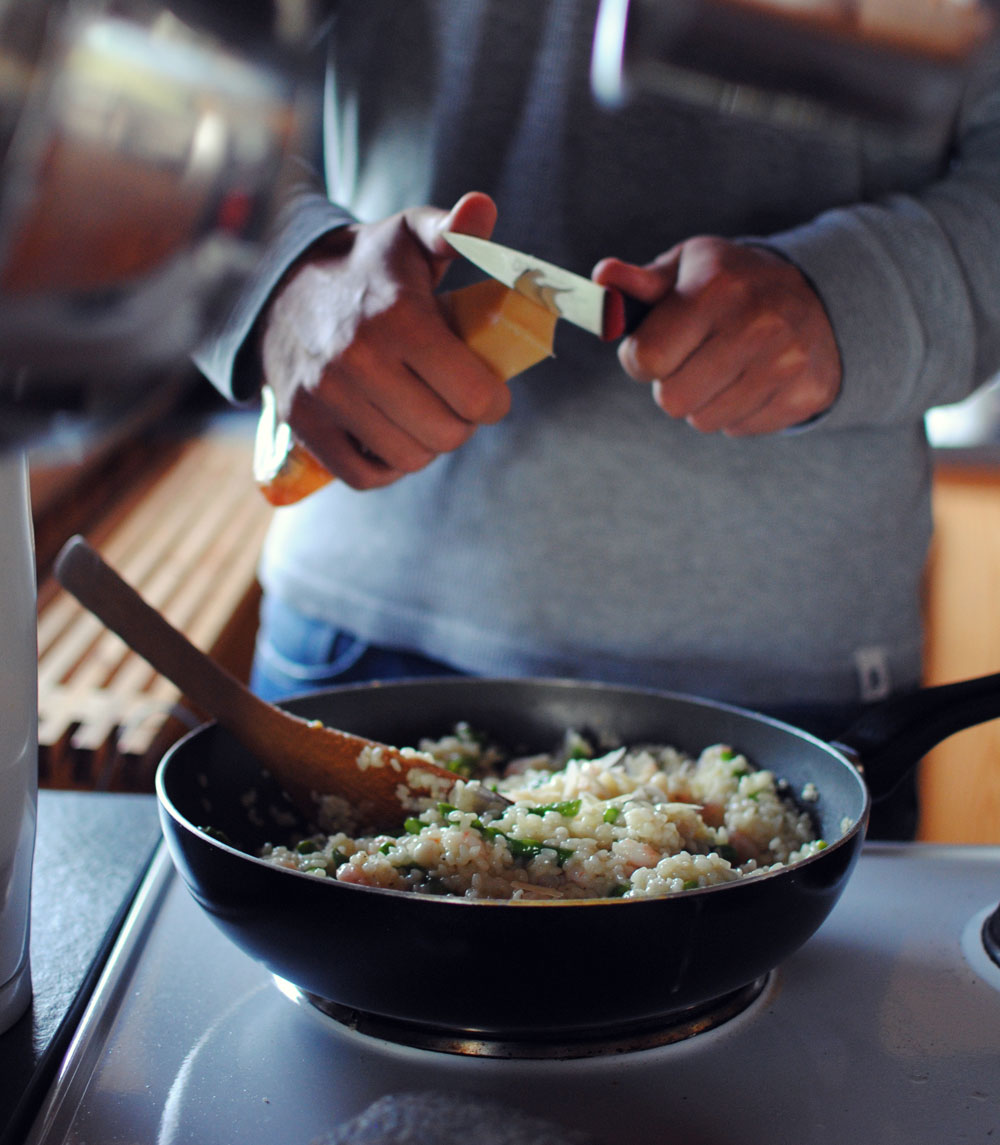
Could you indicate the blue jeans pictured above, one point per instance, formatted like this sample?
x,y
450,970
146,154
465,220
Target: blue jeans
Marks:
x,y
297,654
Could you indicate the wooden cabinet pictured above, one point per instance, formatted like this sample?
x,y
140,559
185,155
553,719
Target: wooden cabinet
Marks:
x,y
960,779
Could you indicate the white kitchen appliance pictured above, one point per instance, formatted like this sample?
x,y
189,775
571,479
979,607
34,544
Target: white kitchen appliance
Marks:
x,y
18,735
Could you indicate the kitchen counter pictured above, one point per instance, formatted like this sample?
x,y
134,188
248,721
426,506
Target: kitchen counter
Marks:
x,y
91,852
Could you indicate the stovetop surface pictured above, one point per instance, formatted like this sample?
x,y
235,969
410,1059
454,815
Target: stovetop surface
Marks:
x,y
884,1028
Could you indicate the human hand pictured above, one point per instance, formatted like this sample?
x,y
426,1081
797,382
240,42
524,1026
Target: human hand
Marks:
x,y
362,362
737,341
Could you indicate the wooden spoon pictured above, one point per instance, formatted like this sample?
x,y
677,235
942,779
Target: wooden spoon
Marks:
x,y
380,782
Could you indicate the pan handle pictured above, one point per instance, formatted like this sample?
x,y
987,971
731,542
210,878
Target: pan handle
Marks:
x,y
891,738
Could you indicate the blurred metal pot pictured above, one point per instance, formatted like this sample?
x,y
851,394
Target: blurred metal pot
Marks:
x,y
141,147
818,64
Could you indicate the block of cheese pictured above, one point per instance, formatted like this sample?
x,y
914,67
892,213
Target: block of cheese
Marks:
x,y
507,330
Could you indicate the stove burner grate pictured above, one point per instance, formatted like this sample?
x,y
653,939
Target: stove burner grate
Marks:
x,y
663,1030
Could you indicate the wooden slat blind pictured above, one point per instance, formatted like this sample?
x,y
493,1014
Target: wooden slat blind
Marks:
x,y
190,545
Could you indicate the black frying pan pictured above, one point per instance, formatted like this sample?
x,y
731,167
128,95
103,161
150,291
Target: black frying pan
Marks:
x,y
512,969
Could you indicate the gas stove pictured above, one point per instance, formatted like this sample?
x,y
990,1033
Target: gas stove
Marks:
x,y
884,1028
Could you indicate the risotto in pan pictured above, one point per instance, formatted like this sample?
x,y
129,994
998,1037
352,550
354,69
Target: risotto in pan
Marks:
x,y
583,823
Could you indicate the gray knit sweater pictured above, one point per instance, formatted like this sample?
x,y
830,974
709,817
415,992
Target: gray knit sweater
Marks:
x,y
588,534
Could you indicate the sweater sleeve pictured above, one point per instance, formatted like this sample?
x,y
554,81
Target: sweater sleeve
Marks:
x,y
228,358
912,282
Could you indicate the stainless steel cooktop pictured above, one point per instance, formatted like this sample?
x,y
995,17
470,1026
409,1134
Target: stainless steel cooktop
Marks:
x,y
884,1028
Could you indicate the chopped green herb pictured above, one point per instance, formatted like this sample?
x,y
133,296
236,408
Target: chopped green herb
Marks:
x,y
470,734
307,847
577,747
386,848
568,808
446,809
464,765
612,814
740,773
526,848
690,884
487,832
412,826
727,753
619,890
530,848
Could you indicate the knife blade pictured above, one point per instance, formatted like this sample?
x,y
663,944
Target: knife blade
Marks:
x,y
597,309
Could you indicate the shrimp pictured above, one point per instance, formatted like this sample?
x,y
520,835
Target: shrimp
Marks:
x,y
634,854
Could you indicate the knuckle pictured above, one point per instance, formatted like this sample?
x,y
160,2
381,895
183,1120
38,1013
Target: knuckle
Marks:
x,y
734,293
450,437
670,400
483,405
703,422
410,457
805,401
639,359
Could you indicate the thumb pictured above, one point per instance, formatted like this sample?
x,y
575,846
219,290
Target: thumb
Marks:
x,y
474,214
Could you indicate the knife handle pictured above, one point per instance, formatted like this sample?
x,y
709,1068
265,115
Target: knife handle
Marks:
x,y
508,331
634,313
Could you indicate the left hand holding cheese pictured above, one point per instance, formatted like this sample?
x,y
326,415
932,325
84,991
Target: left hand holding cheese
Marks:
x,y
362,366
737,341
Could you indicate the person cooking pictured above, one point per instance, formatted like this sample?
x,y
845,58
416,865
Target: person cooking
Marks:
x,y
756,532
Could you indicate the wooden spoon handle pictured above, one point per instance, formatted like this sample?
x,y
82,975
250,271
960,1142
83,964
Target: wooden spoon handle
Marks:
x,y
83,572
304,756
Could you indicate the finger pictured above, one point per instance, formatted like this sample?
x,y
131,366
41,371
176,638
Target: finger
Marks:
x,y
772,416
347,460
672,334
725,370
471,389
729,407
769,394
675,327
344,411
474,214
442,378
788,406
407,402
698,383
647,283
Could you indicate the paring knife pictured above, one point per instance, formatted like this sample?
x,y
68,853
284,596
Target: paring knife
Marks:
x,y
603,311
509,320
